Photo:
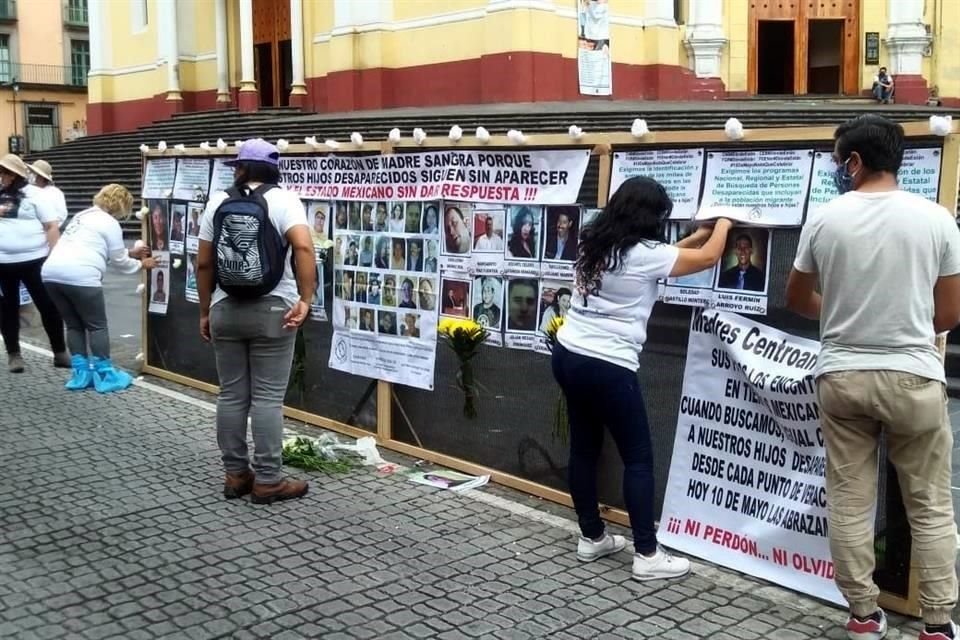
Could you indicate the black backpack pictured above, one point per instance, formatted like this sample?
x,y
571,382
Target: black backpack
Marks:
x,y
250,251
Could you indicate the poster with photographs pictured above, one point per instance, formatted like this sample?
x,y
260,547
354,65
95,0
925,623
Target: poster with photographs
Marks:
x,y
487,306
190,289
318,310
159,225
159,178
522,299
178,214
160,284
594,66
561,236
555,299
193,179
522,252
194,213
385,284
488,239
319,218
457,241
159,235
221,178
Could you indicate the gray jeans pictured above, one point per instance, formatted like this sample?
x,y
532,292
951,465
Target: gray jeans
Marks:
x,y
254,353
85,314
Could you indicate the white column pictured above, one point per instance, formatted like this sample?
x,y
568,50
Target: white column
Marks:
x,y
660,14
95,28
248,81
168,32
223,82
299,85
907,37
705,39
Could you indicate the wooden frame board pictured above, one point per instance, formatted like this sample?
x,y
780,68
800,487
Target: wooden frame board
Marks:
x,y
602,145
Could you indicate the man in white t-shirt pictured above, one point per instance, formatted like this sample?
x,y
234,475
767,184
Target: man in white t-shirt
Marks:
x,y
888,265
42,174
253,338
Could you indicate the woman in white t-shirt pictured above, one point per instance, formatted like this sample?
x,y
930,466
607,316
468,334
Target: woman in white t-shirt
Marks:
x,y
73,276
622,255
29,229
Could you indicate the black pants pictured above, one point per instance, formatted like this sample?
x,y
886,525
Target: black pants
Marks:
x,y
11,275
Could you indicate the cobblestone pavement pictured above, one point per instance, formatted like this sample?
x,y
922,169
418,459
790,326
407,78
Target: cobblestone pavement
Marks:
x,y
113,527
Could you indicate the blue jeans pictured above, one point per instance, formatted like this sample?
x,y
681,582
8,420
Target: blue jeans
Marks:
x,y
881,93
600,394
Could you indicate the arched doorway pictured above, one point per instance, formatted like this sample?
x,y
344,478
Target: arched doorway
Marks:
x,y
800,47
272,53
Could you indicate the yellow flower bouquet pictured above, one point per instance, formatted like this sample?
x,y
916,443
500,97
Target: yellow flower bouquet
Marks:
x,y
464,336
561,423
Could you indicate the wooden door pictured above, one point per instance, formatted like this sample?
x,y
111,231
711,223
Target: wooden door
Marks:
x,y
271,27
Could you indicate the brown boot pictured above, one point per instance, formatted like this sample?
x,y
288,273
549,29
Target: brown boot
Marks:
x,y
237,485
286,489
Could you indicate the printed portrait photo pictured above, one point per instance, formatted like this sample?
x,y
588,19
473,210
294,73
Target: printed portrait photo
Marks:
x,y
414,213
427,294
488,231
488,301
414,255
366,251
555,300
561,234
159,290
360,287
456,228
389,297
348,314
523,233
430,264
353,209
367,322
380,214
318,293
744,263
395,223
431,219
522,307
346,289
410,328
338,283
159,225
406,293
177,222
701,279
338,251
351,257
387,322
454,297
193,221
374,288
381,255
317,213
366,216
398,255
192,273
340,216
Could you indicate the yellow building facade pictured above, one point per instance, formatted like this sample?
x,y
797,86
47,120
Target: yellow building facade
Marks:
x,y
44,60
151,58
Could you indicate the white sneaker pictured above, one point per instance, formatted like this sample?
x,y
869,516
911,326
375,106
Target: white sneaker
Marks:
x,y
659,567
588,550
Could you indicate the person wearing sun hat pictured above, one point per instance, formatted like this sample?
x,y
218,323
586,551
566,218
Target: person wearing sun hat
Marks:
x,y
253,336
42,174
29,229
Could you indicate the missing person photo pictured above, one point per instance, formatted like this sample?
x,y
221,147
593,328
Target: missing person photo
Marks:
x,y
360,287
366,251
366,216
193,220
159,290
413,214
561,233
366,319
522,295
387,322
177,226
380,216
431,219
351,256
456,228
338,251
398,257
389,298
488,231
555,300
523,233
159,225
430,256
317,217
488,301
395,222
406,298
410,328
353,213
744,263
346,288
454,297
427,294
381,256
340,217
373,289
414,255
701,279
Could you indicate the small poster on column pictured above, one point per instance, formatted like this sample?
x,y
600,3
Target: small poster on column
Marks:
x,y
593,48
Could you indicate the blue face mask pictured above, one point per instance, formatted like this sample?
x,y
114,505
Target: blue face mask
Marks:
x,y
842,178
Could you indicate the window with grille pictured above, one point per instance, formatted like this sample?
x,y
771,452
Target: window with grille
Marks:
x,y
6,70
79,62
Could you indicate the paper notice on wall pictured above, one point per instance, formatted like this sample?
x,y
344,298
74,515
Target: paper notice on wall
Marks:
x,y
159,178
594,64
746,487
823,189
920,172
193,179
221,178
160,284
506,177
680,171
771,184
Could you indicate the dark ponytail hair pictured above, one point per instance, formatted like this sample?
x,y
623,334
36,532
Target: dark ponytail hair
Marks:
x,y
637,212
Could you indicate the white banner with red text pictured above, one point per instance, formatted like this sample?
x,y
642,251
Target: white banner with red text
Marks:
x,y
746,487
505,177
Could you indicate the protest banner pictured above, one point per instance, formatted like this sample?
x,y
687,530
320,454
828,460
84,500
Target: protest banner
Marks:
x,y
746,487
680,171
518,177
772,184
159,178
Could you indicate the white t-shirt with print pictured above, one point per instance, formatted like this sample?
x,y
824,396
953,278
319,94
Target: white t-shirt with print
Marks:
x,y
91,241
286,211
22,236
611,324
878,257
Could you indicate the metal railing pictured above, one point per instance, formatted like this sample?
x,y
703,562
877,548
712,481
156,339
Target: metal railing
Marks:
x,y
47,74
8,10
75,14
